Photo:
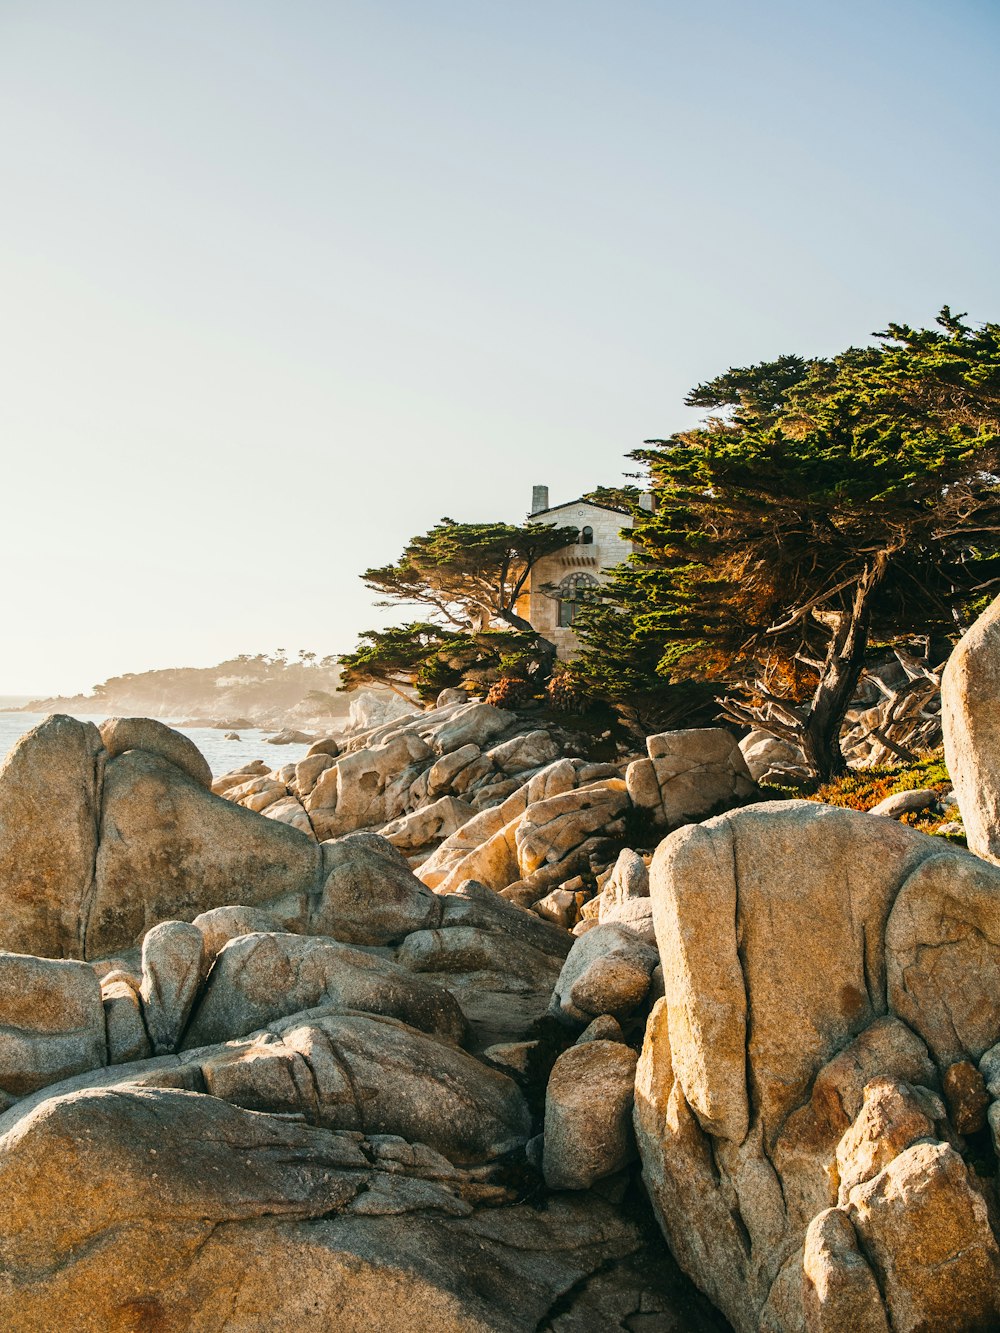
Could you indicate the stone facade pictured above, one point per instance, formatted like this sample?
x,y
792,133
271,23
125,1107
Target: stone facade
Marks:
x,y
560,581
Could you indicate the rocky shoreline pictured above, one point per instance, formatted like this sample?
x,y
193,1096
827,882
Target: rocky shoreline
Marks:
x,y
443,1027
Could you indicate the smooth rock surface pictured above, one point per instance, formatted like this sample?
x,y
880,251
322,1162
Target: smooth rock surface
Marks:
x,y
607,971
171,850
173,961
928,1235
840,1292
370,895
51,1022
970,718
688,775
784,912
259,978
146,733
50,796
588,1114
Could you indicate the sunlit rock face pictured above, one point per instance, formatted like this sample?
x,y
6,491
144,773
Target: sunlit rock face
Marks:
x,y
807,953
295,1083
970,713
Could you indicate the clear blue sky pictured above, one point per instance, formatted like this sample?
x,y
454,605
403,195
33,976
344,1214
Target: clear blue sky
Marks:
x,y
282,283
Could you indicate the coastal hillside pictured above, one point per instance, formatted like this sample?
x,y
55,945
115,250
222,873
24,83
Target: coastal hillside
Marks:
x,y
262,690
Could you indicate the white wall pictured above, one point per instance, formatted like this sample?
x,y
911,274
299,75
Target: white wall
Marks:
x,y
608,549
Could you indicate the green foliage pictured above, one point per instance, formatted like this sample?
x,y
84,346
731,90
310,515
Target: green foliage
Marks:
x,y
470,574
424,658
436,673
864,789
833,498
625,498
620,661
391,656
756,393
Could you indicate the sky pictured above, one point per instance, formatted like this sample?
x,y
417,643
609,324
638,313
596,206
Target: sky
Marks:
x,y
282,284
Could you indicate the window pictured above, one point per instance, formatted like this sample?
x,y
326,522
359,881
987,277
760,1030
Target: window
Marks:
x,y
574,589
586,536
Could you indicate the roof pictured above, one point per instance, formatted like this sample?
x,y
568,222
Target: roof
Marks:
x,y
582,500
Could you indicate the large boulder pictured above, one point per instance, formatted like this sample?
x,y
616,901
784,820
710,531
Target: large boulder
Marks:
x,y
51,1020
471,724
128,1037
970,716
500,963
607,971
190,1215
354,792
588,1114
262,977
173,961
688,775
925,1227
839,1289
430,823
338,1069
550,829
536,831
464,854
374,1074
445,770
219,925
289,810
770,759
534,749
629,880
793,938
146,733
369,894
171,850
50,794
942,946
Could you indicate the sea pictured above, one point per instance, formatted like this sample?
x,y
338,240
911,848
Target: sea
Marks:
x,y
222,755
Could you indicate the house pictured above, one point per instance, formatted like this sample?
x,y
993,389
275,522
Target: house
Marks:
x,y
560,581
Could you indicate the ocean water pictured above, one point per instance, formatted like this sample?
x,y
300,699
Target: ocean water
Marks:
x,y
222,755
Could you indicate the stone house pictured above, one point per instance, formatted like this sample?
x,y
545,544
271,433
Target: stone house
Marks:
x,y
561,581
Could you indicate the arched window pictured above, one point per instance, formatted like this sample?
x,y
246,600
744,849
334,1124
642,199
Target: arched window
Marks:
x,y
574,589
586,536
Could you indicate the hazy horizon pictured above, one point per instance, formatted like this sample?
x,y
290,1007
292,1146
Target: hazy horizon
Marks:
x,y
283,285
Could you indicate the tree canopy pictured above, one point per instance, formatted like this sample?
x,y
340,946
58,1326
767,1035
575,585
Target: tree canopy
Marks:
x,y
422,659
624,497
829,500
470,575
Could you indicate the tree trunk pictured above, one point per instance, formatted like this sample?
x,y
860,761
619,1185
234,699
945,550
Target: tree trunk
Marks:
x,y
515,621
396,690
845,659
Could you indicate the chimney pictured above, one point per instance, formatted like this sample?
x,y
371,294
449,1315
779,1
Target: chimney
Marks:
x,y
539,499
647,501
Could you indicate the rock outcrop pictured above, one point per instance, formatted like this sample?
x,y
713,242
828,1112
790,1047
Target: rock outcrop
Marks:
x,y
247,1026
284,1045
970,715
807,952
50,809
689,775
